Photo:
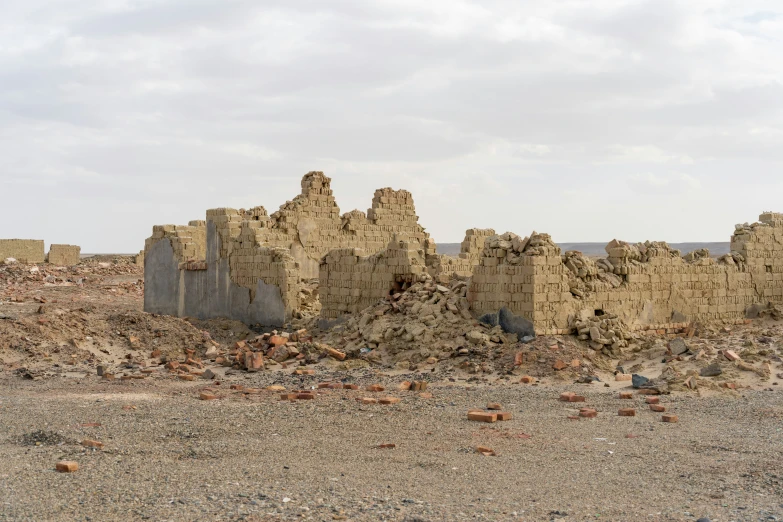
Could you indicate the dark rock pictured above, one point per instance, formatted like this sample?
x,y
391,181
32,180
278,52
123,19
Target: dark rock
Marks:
x,y
704,519
489,319
511,323
713,370
527,339
208,374
100,371
678,346
638,380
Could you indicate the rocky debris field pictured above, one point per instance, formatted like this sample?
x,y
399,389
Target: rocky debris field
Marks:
x,y
368,418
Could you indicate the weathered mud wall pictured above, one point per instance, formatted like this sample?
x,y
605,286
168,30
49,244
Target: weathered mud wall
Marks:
x,y
23,250
64,255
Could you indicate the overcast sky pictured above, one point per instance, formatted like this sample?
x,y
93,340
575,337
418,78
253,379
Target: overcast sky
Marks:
x,y
589,120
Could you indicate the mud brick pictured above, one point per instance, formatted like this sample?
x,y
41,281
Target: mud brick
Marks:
x,y
237,387
187,377
387,446
304,372
559,365
731,355
369,400
494,406
275,388
324,385
336,354
350,387
288,396
626,395
588,413
375,388
276,341
669,418
652,400
306,396
566,396
626,412
576,398
482,416
207,396
620,377
67,466
657,408
504,415
88,443
404,386
527,379
390,400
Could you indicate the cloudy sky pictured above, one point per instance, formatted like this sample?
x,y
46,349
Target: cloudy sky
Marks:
x,y
589,120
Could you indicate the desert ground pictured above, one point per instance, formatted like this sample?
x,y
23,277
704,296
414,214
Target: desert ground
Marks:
x,y
177,428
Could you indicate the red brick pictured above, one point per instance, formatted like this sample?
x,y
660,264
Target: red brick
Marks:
x,y
588,413
324,385
626,395
67,466
669,418
652,400
657,408
305,372
504,415
375,388
277,340
87,443
494,406
390,400
207,396
187,377
481,416
576,398
527,379
305,396
559,365
387,446
350,387
626,412
731,355
404,386
369,400
566,396
335,353
288,396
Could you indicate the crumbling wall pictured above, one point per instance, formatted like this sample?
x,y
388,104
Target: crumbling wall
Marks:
x,y
23,250
643,284
64,255
188,242
443,267
350,281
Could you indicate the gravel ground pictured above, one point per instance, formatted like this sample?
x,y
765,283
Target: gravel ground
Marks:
x,y
255,457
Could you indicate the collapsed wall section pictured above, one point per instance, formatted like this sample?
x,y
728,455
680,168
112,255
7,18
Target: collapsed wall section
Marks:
x,y
643,284
188,242
64,255
28,251
350,282
443,267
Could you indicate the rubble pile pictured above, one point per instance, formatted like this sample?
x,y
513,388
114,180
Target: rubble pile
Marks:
x,y
587,276
606,333
509,247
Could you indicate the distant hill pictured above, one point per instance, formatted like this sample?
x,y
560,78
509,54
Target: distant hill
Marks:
x,y
597,249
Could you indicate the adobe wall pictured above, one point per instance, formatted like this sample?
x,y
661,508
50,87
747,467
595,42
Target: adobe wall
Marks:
x,y
64,255
29,251
643,284
350,281
443,267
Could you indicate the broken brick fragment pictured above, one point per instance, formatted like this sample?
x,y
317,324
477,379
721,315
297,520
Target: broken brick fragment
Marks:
x,y
504,415
375,388
88,443
527,379
494,406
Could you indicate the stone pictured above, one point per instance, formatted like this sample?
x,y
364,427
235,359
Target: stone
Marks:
x,y
638,380
713,370
208,374
677,346
559,365
511,323
475,337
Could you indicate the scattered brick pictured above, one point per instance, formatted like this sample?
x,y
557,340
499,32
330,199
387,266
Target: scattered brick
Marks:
x,y
425,395
277,340
566,396
207,396
652,400
369,400
731,355
626,395
504,415
67,466
576,363
336,354
729,385
527,379
669,418
390,400
657,408
576,398
304,372
275,388
419,385
237,387
288,396
305,396
350,387
494,406
323,385
626,412
404,386
375,388
187,377
387,446
481,416
620,377
588,413
487,452
559,365
87,443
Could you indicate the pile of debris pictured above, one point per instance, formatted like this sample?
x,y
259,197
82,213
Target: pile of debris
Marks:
x,y
510,247
606,333
587,276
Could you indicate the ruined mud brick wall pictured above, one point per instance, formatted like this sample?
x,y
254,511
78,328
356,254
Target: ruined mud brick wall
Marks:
x,y
64,255
443,267
188,242
644,284
350,281
23,250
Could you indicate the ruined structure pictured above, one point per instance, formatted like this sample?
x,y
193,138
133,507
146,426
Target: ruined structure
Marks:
x,y
250,266
645,284
64,255
23,250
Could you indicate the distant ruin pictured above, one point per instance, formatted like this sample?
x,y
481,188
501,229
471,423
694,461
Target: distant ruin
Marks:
x,y
31,251
250,266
